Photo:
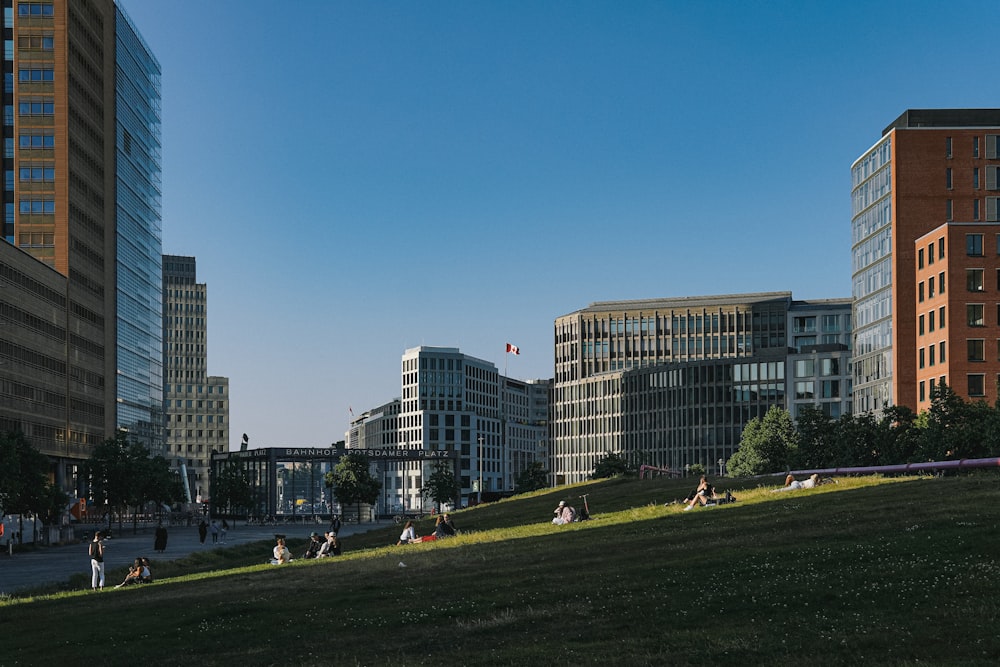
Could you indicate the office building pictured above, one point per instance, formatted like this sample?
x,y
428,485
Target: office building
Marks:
x,y
452,402
196,404
932,169
81,197
673,382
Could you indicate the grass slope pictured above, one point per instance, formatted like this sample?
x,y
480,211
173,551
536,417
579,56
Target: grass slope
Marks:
x,y
900,571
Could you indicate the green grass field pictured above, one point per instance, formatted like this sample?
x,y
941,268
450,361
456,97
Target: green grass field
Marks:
x,y
899,571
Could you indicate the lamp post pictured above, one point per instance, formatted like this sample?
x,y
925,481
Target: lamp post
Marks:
x,y
479,486
721,467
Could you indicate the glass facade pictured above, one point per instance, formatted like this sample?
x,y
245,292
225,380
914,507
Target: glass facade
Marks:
x,y
140,336
871,262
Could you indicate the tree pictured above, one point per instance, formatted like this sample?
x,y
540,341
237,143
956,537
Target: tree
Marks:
x,y
352,481
24,479
611,465
441,486
122,475
532,478
765,446
815,440
232,490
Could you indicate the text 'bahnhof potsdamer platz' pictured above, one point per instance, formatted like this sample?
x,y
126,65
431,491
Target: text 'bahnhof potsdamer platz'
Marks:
x,y
673,382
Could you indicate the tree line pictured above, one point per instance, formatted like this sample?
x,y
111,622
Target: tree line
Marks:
x,y
951,429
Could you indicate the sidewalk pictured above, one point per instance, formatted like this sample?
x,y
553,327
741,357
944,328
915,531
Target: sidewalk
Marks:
x,y
49,565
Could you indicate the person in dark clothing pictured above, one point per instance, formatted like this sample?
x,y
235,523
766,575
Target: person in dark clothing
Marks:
x,y
202,531
160,539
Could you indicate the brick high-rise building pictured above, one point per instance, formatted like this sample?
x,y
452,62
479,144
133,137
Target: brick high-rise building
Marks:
x,y
932,170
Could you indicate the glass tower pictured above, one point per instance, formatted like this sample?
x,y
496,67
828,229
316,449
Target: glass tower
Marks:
x,y
137,202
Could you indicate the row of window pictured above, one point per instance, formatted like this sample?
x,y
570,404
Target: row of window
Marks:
x,y
931,355
200,418
35,9
991,178
39,107
991,147
930,321
37,206
976,385
35,74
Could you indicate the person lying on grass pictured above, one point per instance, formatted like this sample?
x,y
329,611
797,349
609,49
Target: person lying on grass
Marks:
x,y
791,484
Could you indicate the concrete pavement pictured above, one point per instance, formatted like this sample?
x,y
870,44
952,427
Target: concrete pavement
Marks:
x,y
50,565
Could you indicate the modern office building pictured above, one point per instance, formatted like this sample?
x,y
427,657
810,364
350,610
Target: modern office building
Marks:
x,y
673,382
196,404
81,196
930,168
458,404
819,357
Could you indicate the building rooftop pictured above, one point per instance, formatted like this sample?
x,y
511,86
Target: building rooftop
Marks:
x,y
685,302
939,118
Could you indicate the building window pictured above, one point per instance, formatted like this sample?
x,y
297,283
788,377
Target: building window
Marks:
x,y
805,368
974,315
35,74
930,253
941,247
37,206
992,182
949,207
920,325
804,390
974,245
930,287
941,348
930,355
921,358
37,174
977,349
975,210
34,9
975,178
975,146
941,282
977,384
947,147
36,140
828,367
923,394
920,291
930,323
920,258
974,280
991,147
830,388
941,317
948,177
39,107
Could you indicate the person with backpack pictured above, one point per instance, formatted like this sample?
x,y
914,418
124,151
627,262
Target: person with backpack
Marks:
x,y
97,562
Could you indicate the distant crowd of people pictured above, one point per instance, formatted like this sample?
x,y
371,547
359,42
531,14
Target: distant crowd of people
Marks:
x,y
319,547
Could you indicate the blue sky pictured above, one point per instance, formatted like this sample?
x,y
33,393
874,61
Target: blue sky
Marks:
x,y
359,178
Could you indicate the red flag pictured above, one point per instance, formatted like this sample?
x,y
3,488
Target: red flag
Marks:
x,y
513,349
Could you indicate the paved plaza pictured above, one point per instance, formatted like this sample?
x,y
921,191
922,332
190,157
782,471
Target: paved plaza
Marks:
x,y
49,565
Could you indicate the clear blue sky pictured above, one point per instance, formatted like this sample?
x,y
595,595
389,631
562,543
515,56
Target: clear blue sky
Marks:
x,y
359,178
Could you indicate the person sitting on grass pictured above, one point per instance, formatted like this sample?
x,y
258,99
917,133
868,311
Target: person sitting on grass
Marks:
x,y
134,574
281,553
701,495
409,534
146,575
312,551
442,529
564,514
791,484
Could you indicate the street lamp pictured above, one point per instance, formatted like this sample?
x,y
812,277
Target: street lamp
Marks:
x,y
721,467
479,487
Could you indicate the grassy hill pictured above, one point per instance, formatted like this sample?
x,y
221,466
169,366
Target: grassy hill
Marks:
x,y
895,570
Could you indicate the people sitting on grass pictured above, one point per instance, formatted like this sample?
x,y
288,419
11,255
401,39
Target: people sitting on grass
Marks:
x,y
442,529
451,524
146,576
312,551
564,514
791,484
701,495
281,553
134,575
333,544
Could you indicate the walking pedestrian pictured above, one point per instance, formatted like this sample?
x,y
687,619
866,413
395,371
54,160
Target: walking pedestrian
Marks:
x,y
202,531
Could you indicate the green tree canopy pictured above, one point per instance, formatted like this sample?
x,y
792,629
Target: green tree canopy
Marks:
x,y
532,478
766,445
612,464
24,479
441,486
232,491
353,482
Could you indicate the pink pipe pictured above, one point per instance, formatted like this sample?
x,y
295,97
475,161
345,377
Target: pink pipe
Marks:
x,y
958,464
